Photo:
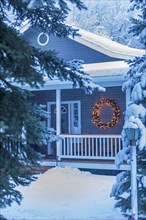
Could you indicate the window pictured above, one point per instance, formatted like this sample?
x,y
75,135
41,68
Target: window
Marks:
x,y
43,39
63,110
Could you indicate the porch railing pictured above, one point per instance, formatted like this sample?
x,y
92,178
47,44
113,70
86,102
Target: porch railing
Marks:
x,y
90,146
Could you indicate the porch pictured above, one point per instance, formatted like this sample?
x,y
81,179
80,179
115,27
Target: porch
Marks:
x,y
70,114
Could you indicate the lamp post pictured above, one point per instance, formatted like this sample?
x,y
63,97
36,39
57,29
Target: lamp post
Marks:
x,y
132,135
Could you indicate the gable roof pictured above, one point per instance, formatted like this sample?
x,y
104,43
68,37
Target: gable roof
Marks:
x,y
101,44
104,72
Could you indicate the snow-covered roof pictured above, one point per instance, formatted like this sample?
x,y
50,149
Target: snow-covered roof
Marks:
x,y
25,26
104,74
107,46
106,69
100,43
107,73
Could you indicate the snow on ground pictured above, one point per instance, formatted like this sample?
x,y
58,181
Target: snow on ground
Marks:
x,y
66,194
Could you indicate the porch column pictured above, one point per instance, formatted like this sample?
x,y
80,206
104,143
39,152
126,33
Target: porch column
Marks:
x,y
128,94
49,150
58,120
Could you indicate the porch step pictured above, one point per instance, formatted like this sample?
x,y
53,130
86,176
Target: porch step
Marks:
x,y
100,167
97,167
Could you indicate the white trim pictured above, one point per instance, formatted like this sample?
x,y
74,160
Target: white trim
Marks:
x,y
86,165
47,39
102,81
49,109
69,103
49,151
79,115
88,158
58,119
128,93
51,85
58,111
63,110
102,73
90,146
69,119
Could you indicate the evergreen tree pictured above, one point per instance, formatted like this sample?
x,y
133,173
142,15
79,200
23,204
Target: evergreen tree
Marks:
x,y
106,18
135,116
23,123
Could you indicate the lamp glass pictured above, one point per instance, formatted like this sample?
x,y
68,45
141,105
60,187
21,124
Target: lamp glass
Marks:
x,y
132,134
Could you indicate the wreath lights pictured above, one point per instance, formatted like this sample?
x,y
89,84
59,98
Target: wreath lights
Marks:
x,y
96,119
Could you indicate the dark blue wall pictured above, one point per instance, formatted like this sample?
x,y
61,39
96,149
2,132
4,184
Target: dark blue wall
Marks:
x,y
87,104
68,49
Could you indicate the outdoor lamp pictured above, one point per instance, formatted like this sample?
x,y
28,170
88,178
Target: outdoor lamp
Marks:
x,y
132,135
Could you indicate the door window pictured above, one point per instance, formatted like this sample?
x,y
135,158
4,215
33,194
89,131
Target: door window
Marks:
x,y
63,110
75,118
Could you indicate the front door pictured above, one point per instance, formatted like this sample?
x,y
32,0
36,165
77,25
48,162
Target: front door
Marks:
x,y
70,117
64,117
70,120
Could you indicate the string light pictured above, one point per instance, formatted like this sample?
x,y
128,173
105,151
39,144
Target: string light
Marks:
x,y
97,112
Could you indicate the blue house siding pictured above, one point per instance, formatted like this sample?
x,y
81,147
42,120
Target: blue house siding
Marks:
x,y
44,96
87,104
68,49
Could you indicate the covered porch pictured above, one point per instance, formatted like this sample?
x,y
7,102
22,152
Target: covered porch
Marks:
x,y
76,146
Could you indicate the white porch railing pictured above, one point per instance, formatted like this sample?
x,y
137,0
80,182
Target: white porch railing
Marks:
x,y
90,146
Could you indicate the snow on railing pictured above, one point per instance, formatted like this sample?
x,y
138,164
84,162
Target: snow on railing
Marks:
x,y
90,146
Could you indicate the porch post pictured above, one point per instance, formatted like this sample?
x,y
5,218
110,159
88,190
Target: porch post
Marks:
x,y
58,120
49,150
128,93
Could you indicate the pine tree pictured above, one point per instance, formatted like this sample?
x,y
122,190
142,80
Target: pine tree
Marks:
x,y
23,123
135,116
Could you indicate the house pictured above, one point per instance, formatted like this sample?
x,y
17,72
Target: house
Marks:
x,y
89,125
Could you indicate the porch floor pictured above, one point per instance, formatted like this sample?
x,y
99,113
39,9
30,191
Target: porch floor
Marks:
x,y
94,166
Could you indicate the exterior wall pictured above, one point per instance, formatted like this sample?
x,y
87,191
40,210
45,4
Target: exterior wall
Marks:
x,y
87,104
44,96
68,49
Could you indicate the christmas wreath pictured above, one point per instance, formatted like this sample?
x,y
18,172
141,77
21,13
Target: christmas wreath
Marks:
x,y
96,119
